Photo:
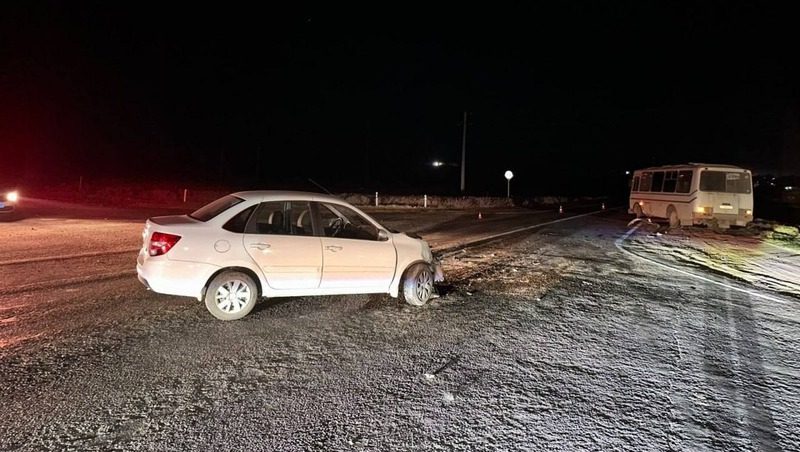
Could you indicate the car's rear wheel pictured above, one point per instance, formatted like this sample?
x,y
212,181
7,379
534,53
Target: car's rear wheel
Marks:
x,y
231,295
637,210
417,286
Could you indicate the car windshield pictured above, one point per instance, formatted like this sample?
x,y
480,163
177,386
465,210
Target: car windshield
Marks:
x,y
215,208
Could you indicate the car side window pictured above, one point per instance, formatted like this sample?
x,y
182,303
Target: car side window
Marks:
x,y
345,223
239,221
268,219
281,218
300,218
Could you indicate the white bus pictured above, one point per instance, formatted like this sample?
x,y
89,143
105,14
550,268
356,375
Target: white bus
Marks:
x,y
695,193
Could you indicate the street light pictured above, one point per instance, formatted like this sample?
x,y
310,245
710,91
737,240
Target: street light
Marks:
x,y
508,175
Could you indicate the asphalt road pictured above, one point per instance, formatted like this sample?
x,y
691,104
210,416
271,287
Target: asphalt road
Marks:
x,y
549,339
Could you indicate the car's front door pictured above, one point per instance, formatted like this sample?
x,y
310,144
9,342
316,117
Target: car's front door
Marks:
x,y
279,237
353,255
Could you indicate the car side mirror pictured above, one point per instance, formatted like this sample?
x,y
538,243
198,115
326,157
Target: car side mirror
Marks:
x,y
382,235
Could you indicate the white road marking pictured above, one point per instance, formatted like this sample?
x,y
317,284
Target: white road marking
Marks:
x,y
619,244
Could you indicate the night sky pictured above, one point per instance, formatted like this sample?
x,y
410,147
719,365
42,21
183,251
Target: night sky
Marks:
x,y
567,95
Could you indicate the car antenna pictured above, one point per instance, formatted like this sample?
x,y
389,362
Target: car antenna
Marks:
x,y
320,186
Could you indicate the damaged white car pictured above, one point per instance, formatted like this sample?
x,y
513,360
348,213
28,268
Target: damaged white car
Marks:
x,y
256,244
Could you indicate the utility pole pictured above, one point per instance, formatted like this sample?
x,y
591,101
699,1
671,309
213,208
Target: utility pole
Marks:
x,y
463,154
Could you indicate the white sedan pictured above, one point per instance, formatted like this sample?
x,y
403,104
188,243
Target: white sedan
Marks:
x,y
256,244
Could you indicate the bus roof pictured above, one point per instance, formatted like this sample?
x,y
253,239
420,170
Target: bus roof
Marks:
x,y
690,165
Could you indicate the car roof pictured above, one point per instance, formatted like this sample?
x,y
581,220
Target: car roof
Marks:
x,y
266,195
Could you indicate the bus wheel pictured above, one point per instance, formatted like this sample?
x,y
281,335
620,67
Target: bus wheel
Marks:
x,y
637,210
674,221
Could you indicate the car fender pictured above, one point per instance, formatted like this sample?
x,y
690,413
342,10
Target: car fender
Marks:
x,y
410,252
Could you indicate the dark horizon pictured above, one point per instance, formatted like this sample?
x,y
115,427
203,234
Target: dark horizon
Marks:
x,y
567,96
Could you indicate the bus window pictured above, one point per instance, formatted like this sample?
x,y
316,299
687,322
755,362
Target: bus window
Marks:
x,y
684,181
658,181
635,184
647,179
670,181
726,182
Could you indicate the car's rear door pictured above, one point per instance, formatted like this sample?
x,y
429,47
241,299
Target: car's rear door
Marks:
x,y
279,237
353,256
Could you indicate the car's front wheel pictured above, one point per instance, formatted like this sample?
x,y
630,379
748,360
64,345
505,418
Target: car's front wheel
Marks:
x,y
231,295
417,286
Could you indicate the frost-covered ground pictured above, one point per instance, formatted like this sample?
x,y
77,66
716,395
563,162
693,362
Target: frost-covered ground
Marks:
x,y
768,262
554,340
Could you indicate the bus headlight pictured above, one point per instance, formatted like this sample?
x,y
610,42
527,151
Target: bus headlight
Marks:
x,y
12,196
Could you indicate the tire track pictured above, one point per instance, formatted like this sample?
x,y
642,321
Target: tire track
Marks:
x,y
54,284
34,260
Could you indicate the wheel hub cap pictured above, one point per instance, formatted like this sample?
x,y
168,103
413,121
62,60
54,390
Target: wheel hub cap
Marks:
x,y
232,296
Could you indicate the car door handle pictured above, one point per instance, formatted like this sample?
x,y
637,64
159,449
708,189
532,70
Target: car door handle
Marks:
x,y
333,248
260,245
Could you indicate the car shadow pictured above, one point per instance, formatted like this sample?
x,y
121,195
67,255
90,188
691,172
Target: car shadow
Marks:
x,y
264,304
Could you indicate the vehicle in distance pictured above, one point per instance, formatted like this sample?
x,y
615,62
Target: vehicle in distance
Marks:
x,y
695,193
9,197
255,244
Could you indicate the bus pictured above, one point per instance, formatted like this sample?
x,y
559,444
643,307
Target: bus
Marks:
x,y
693,194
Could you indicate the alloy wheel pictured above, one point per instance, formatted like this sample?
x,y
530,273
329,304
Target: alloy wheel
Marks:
x,y
424,285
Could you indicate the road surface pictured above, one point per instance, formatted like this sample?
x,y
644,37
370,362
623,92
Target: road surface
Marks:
x,y
553,338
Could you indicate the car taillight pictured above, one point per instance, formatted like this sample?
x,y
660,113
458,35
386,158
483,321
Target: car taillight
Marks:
x,y
160,243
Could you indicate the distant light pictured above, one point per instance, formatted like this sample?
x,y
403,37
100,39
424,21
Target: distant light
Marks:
x,y
437,163
627,173
509,175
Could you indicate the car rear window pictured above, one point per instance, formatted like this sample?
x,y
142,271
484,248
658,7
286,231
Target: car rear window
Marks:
x,y
215,208
725,181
